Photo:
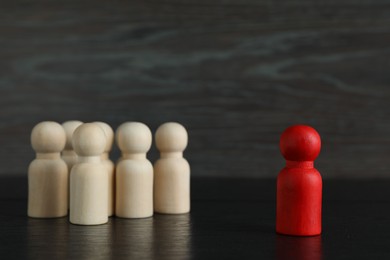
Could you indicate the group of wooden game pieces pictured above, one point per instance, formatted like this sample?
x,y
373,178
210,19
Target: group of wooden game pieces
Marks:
x,y
135,189
72,172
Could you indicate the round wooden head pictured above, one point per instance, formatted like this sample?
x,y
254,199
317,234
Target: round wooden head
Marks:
x,y
300,143
133,137
48,137
89,140
171,137
109,135
69,127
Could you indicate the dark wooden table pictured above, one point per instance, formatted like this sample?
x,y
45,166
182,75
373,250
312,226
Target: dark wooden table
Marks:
x,y
230,219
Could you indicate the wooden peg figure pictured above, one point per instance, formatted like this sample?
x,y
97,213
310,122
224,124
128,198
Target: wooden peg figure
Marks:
x,y
171,171
299,184
109,166
68,154
48,173
134,182
88,179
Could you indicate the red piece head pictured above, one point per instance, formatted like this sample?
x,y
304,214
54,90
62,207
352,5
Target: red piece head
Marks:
x,y
300,143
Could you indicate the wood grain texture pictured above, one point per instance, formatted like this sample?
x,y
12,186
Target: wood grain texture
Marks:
x,y
234,74
230,219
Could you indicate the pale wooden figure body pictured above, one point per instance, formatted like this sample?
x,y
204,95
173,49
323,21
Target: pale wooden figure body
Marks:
x,y
68,154
88,179
134,172
171,171
109,165
48,173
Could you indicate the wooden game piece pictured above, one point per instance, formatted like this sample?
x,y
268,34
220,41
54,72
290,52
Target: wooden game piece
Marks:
x,y
171,171
109,166
134,179
299,184
68,154
48,173
88,179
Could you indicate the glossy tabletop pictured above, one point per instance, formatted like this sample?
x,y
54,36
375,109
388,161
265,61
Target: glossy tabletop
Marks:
x,y
230,219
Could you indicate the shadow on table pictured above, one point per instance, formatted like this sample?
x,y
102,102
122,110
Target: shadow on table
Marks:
x,y
300,248
47,238
158,237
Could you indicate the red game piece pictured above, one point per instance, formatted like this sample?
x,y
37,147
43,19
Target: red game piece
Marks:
x,y
299,184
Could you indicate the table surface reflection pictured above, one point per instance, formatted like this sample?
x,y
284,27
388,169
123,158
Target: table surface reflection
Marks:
x,y
230,219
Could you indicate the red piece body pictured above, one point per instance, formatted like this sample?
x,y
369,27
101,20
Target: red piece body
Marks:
x,y
299,184
299,201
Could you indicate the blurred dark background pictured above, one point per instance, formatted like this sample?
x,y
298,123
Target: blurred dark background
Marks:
x,y
234,73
